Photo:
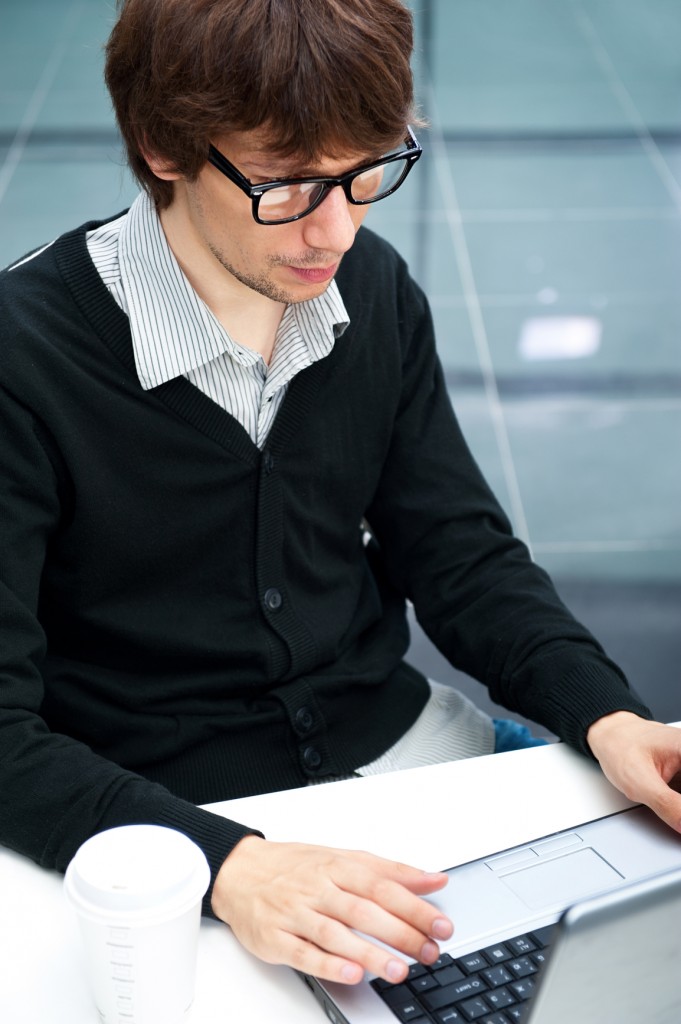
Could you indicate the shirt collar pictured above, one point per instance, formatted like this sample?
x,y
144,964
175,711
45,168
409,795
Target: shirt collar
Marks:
x,y
173,330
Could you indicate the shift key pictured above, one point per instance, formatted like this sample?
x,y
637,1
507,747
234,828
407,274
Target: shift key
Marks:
x,y
436,998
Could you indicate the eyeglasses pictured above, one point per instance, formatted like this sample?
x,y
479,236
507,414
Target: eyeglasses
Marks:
x,y
288,199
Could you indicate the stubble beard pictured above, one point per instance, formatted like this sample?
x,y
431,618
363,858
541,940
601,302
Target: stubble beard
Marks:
x,y
263,283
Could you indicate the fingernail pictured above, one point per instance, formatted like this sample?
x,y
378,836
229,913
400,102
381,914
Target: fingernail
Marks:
x,y
395,970
429,953
442,928
352,973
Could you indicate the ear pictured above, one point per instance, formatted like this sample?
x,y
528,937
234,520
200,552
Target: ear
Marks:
x,y
159,165
161,168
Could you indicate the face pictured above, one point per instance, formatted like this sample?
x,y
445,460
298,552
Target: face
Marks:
x,y
211,220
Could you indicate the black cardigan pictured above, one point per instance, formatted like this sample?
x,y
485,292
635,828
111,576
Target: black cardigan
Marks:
x,y
186,618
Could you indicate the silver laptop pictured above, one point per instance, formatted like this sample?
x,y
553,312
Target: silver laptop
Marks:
x,y
581,927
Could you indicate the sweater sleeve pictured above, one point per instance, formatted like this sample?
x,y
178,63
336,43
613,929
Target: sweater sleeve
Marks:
x,y
55,792
449,547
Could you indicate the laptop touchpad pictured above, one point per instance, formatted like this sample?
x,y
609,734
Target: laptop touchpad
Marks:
x,y
562,881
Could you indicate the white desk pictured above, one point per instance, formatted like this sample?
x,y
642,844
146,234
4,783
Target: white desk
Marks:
x,y
433,817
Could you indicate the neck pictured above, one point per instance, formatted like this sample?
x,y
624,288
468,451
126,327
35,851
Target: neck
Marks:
x,y
250,319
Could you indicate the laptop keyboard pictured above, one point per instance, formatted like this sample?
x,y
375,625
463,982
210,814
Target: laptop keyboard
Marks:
x,y
490,986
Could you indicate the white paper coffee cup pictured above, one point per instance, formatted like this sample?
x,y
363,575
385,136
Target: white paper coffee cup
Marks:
x,y
137,891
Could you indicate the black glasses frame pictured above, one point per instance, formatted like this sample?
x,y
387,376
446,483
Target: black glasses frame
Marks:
x,y
255,192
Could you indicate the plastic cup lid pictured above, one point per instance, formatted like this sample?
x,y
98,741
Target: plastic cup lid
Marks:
x,y
140,872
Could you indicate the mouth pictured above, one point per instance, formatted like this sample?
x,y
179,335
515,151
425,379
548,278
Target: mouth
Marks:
x,y
314,275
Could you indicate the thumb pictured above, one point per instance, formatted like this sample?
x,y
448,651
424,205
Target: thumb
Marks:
x,y
661,799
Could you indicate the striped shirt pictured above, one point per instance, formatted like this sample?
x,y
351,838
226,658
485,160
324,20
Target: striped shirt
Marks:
x,y
175,333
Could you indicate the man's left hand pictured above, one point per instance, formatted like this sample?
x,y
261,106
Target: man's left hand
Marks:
x,y
641,759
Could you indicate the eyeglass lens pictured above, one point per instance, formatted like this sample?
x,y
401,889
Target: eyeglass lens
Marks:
x,y
292,200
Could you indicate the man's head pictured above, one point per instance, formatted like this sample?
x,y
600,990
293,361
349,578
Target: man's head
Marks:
x,y
316,77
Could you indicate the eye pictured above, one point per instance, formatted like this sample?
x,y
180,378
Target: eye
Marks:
x,y
312,190
277,196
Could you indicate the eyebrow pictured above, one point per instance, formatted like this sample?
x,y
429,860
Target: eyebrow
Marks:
x,y
265,171
262,161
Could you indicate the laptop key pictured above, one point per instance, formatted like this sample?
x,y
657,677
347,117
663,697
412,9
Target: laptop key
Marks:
x,y
395,995
444,960
422,983
521,944
408,1011
415,970
495,976
543,936
523,988
472,962
521,967
449,1016
497,954
448,975
437,998
500,998
473,1009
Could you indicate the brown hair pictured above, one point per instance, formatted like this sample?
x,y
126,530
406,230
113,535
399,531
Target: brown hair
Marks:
x,y
322,76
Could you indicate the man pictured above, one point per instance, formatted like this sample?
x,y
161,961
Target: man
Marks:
x,y
228,460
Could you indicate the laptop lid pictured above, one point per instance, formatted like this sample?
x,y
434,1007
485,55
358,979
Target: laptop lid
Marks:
x,y
616,957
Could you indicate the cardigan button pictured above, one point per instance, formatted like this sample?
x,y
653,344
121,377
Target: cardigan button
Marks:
x,y
304,719
312,758
273,599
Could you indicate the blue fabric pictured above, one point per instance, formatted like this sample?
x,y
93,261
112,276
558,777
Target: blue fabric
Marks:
x,y
510,735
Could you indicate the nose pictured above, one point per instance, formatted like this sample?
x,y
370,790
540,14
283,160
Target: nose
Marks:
x,y
333,224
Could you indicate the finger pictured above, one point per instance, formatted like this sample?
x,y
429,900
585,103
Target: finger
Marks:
x,y
295,947
374,920
328,949
386,909
653,781
379,900
331,937
427,882
305,956
415,879
663,800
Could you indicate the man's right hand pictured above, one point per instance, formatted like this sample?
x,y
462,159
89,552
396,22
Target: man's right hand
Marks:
x,y
303,906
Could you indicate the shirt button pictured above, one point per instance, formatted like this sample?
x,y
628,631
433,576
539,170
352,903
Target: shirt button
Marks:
x,y
312,758
273,599
304,719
